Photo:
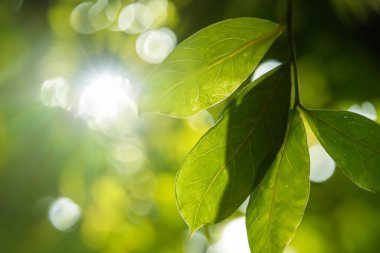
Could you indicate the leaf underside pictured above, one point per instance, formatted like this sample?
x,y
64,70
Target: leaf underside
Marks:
x,y
220,171
277,206
353,141
207,67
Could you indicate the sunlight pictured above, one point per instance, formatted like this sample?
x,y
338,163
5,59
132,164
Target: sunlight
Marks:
x,y
243,207
201,121
128,157
105,98
133,18
54,93
155,13
129,18
139,17
64,213
264,68
155,45
196,243
367,109
233,239
80,19
322,166
98,15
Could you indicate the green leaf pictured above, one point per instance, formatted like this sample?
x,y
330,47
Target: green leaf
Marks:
x,y
220,171
207,67
353,141
277,206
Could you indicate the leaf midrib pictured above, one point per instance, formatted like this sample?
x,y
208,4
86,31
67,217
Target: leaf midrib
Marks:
x,y
276,181
219,60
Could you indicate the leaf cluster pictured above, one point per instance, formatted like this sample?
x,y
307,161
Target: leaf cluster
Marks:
x,y
258,147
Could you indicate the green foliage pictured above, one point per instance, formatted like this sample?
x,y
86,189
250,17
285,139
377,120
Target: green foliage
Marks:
x,y
353,141
207,67
277,205
220,172
125,186
231,160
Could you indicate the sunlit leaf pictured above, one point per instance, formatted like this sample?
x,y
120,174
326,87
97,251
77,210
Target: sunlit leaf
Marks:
x,y
220,172
353,141
208,66
277,206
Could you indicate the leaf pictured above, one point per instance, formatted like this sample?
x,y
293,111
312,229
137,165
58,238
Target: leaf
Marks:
x,y
277,206
353,141
207,67
220,171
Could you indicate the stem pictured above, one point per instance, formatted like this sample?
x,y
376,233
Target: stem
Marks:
x,y
292,51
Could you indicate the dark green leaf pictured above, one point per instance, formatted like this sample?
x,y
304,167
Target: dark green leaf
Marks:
x,y
277,206
207,67
353,141
220,172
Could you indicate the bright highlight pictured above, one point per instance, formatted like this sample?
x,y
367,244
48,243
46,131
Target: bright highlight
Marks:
x,y
322,166
264,68
64,214
155,45
367,109
233,239
54,93
106,98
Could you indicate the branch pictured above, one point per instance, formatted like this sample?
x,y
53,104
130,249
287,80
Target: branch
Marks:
x,y
292,51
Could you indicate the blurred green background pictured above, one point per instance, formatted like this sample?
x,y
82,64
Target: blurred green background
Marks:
x,y
81,172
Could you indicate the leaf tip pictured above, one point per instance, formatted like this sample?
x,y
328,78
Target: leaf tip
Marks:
x,y
193,226
194,229
192,232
